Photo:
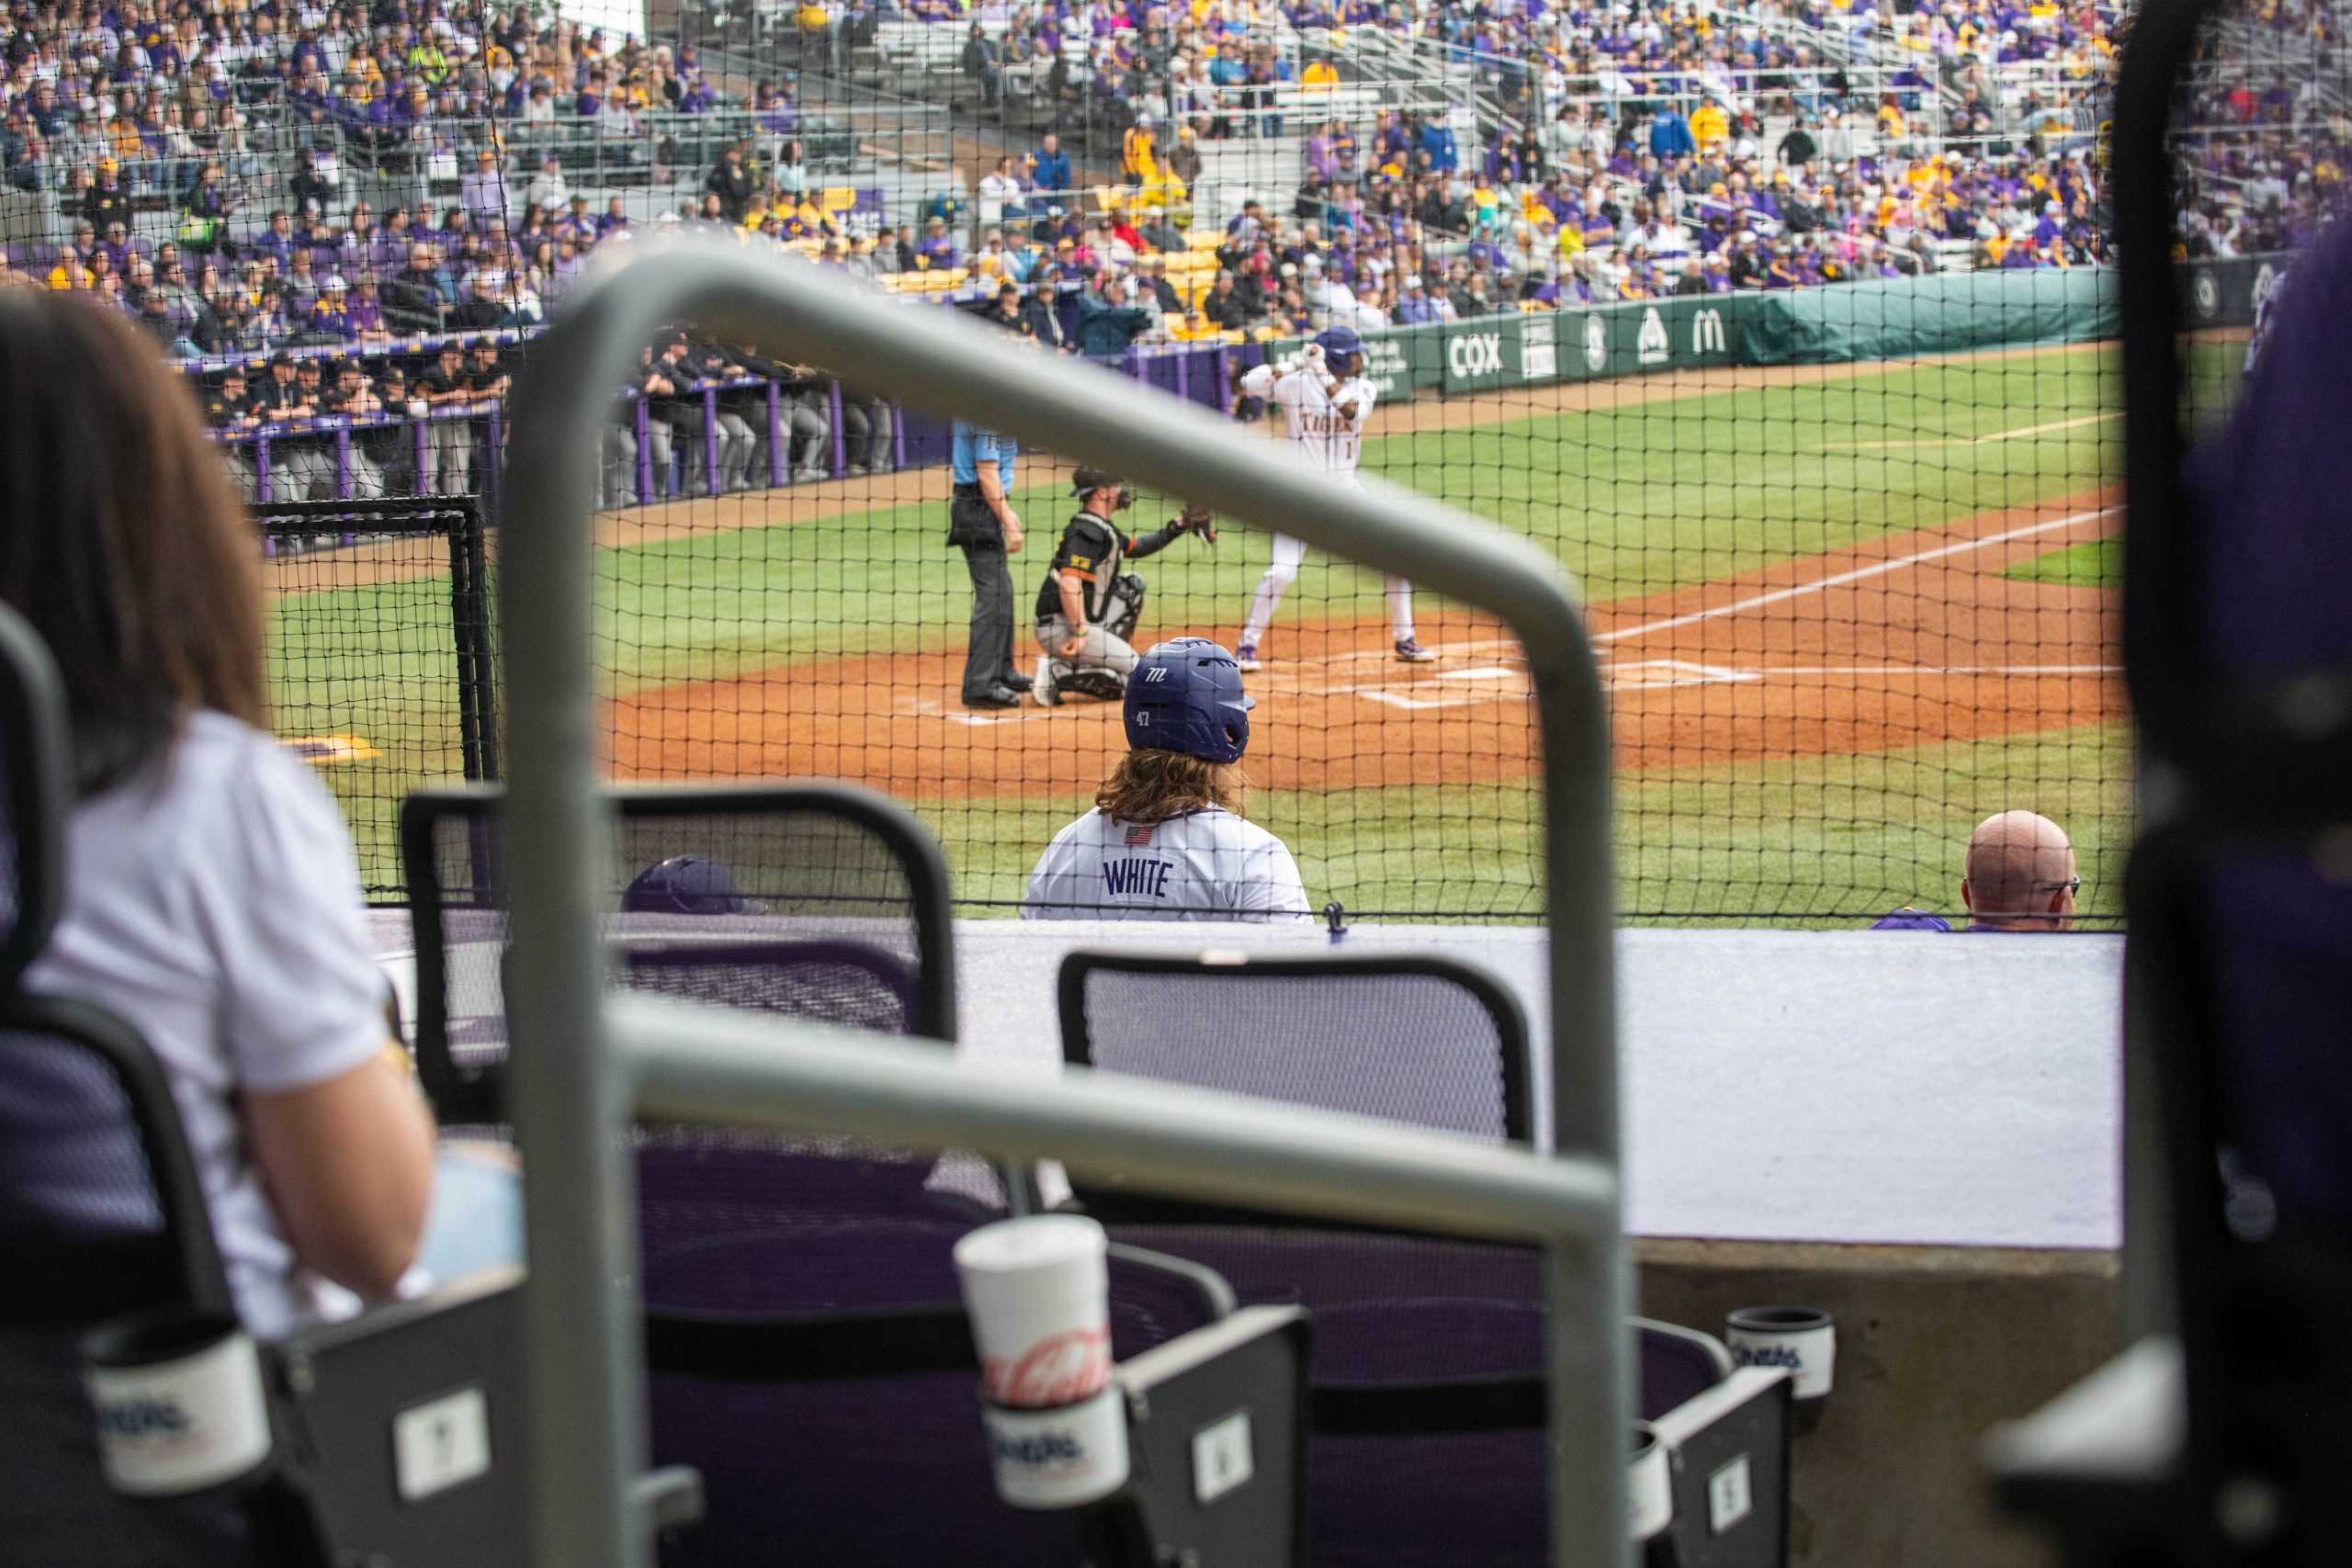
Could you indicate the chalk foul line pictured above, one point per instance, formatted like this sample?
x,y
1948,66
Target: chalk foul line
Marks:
x,y
1860,574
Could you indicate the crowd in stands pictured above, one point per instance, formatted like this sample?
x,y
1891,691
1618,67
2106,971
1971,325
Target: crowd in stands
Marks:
x,y
1646,167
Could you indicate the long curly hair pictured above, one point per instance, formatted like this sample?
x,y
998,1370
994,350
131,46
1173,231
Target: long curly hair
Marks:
x,y
1152,785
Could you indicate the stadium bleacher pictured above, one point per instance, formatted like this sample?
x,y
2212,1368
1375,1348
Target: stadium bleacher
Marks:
x,y
1569,161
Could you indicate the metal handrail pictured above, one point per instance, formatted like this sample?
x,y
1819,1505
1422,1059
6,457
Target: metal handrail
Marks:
x,y
582,1066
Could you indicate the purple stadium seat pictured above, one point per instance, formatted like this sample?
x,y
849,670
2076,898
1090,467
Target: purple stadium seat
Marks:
x,y
2268,495
823,1386
101,1212
1428,1441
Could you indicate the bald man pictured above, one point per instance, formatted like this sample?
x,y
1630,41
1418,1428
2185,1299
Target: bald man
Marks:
x,y
2021,875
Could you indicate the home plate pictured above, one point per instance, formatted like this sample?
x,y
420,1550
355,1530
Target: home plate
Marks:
x,y
1483,672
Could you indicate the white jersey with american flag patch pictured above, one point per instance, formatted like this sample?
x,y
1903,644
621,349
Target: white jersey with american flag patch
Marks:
x,y
1331,440
1205,866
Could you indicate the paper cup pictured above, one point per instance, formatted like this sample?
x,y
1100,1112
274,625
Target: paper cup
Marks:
x,y
1649,1483
1038,1289
179,1402
1802,1339
1061,1458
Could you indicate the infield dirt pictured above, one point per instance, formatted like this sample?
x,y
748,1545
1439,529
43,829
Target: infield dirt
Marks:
x,y
1909,639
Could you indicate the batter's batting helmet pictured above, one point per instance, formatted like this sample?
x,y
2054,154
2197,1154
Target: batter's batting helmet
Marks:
x,y
686,885
1342,351
1185,696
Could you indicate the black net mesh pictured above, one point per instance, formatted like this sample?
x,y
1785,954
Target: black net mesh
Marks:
x,y
1412,1048
381,657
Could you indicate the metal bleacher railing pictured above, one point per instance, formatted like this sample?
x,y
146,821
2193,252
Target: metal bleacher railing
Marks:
x,y
582,1066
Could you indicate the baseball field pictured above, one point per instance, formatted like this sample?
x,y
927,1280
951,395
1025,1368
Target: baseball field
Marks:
x,y
1845,611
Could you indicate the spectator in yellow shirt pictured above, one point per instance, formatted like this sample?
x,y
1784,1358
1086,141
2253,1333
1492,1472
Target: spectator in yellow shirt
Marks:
x,y
1139,154
1709,126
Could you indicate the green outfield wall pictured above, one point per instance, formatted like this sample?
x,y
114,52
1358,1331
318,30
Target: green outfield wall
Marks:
x,y
1898,318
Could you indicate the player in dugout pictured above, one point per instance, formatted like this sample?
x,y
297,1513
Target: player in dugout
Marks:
x,y
1168,839
1087,607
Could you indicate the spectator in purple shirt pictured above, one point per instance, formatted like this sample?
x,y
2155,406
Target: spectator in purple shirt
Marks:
x,y
936,249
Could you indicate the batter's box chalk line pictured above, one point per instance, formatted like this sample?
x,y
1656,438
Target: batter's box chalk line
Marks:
x,y
1642,673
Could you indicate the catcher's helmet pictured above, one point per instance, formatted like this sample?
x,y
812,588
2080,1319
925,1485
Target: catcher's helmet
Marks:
x,y
1185,696
686,885
1343,350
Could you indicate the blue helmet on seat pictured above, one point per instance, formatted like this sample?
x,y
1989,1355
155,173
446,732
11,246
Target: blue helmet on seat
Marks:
x,y
1185,696
686,885
1343,350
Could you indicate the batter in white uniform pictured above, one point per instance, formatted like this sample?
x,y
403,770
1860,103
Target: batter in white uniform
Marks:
x,y
1167,839
1325,400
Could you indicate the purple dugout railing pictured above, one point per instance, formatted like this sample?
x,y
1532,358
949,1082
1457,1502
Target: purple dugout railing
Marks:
x,y
1202,373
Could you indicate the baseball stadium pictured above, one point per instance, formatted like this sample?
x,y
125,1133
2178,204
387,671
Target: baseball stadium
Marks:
x,y
1185,777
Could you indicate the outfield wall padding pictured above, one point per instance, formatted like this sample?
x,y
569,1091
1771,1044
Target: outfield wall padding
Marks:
x,y
1947,314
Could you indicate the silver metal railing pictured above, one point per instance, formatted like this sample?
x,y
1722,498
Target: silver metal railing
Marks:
x,y
582,1065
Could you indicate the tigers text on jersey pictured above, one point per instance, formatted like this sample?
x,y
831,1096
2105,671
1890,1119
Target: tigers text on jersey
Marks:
x,y
1329,439
1206,865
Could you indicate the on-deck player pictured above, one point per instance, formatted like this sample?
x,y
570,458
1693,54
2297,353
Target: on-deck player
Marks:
x,y
1325,400
1167,839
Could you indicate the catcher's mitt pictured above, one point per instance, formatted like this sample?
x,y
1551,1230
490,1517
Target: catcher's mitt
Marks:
x,y
1196,520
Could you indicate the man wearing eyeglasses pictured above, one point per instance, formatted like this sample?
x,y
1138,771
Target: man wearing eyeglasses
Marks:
x,y
2020,877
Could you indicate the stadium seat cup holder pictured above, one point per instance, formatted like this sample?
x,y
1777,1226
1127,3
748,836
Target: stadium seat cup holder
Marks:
x,y
1801,1340
182,1408
1063,1456
1649,1485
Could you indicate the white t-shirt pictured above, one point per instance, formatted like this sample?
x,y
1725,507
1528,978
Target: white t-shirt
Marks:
x,y
216,909
1205,866
1330,440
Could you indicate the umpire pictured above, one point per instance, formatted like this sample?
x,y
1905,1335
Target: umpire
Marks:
x,y
981,521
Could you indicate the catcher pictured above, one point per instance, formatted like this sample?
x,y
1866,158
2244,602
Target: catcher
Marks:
x,y
1088,607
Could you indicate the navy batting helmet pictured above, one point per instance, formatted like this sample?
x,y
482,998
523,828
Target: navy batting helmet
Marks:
x,y
686,884
1186,696
1343,350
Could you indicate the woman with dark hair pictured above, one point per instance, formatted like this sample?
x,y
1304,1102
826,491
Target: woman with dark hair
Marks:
x,y
213,899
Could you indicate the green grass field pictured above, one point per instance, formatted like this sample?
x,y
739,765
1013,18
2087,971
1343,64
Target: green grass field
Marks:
x,y
1633,500
2095,563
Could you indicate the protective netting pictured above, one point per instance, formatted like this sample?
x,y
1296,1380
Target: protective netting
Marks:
x,y
381,656
1789,334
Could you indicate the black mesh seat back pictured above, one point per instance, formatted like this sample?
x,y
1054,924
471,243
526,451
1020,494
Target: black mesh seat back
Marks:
x,y
830,982
785,883
1419,1040
70,1158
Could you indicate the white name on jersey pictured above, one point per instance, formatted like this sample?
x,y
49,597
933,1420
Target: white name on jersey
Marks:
x,y
1209,865
1331,440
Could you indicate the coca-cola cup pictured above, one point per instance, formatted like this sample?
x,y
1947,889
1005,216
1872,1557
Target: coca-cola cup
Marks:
x,y
1038,1289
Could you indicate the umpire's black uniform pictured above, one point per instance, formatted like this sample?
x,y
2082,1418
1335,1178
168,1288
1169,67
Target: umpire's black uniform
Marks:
x,y
990,678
